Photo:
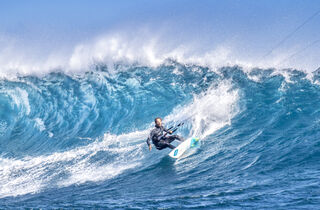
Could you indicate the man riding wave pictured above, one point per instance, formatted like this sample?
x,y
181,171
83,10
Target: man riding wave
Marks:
x,y
159,139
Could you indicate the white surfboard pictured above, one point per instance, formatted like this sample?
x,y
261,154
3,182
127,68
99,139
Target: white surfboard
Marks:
x,y
184,146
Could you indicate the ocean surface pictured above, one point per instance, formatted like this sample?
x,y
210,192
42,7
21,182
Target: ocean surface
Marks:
x,y
78,140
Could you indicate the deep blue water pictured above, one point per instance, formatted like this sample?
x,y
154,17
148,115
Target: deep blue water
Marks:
x,y
78,140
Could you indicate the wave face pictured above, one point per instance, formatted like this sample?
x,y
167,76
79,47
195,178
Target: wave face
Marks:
x,y
79,140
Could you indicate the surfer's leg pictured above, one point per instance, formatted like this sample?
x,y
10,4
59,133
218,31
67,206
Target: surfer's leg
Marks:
x,y
177,137
166,143
170,146
161,147
170,139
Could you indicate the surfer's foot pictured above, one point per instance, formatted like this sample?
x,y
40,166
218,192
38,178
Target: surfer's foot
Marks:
x,y
181,139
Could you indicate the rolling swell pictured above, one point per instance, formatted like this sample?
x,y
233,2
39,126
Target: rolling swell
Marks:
x,y
84,136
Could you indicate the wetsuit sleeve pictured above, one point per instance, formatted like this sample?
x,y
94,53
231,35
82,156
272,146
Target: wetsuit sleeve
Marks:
x,y
149,138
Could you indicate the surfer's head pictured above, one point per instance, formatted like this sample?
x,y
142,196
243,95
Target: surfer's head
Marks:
x,y
158,121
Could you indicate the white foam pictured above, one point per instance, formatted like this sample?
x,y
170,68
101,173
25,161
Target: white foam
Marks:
x,y
19,98
33,174
208,111
142,47
40,124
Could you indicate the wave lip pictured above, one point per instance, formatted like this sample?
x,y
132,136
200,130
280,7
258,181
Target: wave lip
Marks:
x,y
147,48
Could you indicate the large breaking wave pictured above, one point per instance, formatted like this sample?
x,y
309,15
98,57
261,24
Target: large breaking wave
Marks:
x,y
260,132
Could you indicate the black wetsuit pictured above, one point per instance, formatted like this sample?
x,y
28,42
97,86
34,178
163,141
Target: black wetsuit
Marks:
x,y
161,141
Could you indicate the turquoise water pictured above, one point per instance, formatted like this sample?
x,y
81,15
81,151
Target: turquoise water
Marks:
x,y
78,140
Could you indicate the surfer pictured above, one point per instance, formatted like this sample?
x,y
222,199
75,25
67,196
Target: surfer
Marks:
x,y
159,139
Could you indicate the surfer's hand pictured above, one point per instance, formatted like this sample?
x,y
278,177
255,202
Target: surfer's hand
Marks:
x,y
150,147
170,132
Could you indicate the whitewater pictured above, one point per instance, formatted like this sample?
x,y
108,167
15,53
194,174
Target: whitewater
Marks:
x,y
73,132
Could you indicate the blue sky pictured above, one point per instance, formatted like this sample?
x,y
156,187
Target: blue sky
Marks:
x,y
254,26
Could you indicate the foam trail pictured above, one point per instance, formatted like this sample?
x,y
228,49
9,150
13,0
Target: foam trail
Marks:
x,y
33,174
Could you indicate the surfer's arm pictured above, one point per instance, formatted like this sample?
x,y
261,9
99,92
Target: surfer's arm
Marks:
x,y
148,140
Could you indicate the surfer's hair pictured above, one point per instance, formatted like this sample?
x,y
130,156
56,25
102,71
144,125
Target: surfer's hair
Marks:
x,y
155,120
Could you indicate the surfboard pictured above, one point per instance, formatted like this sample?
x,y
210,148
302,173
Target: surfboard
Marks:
x,y
184,146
